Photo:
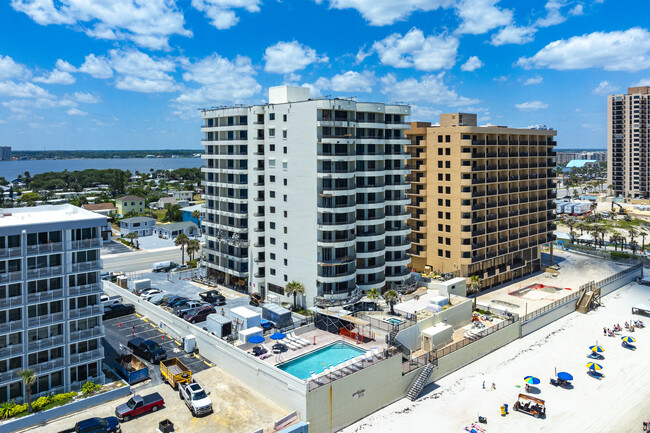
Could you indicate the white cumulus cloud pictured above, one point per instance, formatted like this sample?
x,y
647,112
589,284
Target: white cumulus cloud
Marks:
x,y
76,112
386,12
481,16
350,81
513,35
472,64
56,77
613,51
430,88
533,80
147,23
10,69
553,14
86,98
605,88
221,12
531,106
96,67
287,57
415,50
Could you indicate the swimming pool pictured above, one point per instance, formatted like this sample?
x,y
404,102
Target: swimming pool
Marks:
x,y
320,359
394,321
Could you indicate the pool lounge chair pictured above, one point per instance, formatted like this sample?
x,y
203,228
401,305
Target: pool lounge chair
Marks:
x,y
303,341
291,345
358,362
316,378
296,340
368,356
376,352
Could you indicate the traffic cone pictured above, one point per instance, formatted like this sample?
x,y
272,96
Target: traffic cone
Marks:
x,y
120,325
163,337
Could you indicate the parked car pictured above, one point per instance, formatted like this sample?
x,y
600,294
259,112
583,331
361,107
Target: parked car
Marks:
x,y
170,299
149,295
150,292
180,309
138,405
200,315
164,266
117,310
147,349
177,302
110,300
180,268
96,425
195,398
140,290
213,297
158,298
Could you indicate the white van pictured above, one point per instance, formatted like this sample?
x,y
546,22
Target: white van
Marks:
x,y
164,266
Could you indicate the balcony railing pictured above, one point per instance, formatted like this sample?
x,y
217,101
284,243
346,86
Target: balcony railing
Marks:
x,y
87,356
86,266
52,247
44,296
49,365
44,272
11,277
45,343
90,310
86,243
10,252
11,302
11,350
87,334
86,289
44,320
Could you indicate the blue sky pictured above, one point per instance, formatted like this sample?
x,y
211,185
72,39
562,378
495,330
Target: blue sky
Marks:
x,y
131,74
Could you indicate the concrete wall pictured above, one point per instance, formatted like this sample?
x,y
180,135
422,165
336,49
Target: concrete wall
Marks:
x,y
76,406
410,337
284,389
613,285
342,402
548,317
456,316
470,353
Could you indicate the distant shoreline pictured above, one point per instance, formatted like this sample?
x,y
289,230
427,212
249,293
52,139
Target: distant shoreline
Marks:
x,y
104,154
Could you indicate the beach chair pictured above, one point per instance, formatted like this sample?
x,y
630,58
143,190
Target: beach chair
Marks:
x,y
358,362
300,341
316,379
304,341
368,356
376,352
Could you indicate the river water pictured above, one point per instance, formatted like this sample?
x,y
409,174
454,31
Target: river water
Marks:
x,y
11,169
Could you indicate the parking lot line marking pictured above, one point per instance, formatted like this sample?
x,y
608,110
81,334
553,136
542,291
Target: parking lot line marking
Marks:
x,y
177,342
145,320
161,331
207,363
154,326
196,356
138,315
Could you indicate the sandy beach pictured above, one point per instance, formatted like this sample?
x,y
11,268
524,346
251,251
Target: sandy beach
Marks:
x,y
617,403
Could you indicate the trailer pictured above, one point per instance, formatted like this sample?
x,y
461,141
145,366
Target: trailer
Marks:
x,y
131,368
280,316
218,325
173,371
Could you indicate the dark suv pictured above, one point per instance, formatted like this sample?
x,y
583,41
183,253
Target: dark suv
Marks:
x,y
147,349
200,315
92,425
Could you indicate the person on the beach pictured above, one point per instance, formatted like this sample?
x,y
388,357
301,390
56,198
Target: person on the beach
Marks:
x,y
494,386
483,384
605,332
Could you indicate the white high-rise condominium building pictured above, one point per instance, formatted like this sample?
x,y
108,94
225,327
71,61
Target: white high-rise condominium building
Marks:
x,y
307,190
628,143
50,311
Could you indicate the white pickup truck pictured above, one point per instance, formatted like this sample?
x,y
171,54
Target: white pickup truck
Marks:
x,y
195,398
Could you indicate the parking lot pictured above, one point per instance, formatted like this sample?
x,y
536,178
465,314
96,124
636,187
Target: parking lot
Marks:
x,y
121,329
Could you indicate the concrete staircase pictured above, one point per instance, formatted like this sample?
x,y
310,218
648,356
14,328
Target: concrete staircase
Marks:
x,y
419,382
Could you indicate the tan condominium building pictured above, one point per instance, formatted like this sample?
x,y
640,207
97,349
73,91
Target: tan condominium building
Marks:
x,y
628,145
481,198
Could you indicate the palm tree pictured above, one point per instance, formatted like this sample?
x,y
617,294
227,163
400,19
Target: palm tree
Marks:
x,y
197,215
391,298
132,236
633,234
643,234
182,240
193,246
28,377
475,284
373,294
294,288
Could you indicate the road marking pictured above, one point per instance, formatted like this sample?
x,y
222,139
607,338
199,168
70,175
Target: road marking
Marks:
x,y
145,320
177,342
153,326
196,356
207,363
161,331
138,315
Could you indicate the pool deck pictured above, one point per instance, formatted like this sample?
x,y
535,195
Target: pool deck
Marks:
x,y
322,338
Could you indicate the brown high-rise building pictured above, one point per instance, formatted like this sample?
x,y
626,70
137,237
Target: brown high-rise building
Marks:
x,y
481,198
628,143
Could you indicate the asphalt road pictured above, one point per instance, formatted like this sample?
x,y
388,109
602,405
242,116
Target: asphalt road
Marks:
x,y
140,260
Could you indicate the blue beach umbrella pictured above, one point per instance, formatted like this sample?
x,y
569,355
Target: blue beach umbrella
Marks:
x,y
532,380
597,349
256,339
564,376
628,339
277,336
594,366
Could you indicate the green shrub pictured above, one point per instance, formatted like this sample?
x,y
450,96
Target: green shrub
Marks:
x,y
192,263
41,402
7,408
18,409
620,255
89,387
65,396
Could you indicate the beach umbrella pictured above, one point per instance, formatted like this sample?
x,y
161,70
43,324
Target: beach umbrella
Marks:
x,y
597,349
594,366
277,336
628,339
532,380
564,375
256,339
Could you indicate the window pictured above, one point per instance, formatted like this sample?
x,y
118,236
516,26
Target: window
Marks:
x,y
440,177
448,150
271,132
439,141
439,202
440,148
271,116
285,213
447,190
439,164
448,254
272,147
272,271
272,209
284,149
448,177
448,241
286,278
285,165
286,246
272,225
272,256
285,197
448,203
439,253
284,117
448,228
272,194
447,164
447,215
284,133
439,239
272,241
285,182
440,190
285,230
439,214
286,262
271,162
440,227
447,138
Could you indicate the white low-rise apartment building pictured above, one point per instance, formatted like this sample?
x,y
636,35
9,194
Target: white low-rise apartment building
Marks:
x,y
307,190
50,312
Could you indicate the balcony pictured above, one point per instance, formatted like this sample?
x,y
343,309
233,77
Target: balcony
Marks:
x,y
11,351
44,296
90,310
44,320
94,265
51,247
11,277
87,356
86,243
13,301
14,325
10,252
49,365
45,343
87,334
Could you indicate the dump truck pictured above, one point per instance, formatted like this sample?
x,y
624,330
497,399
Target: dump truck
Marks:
x,y
173,371
131,368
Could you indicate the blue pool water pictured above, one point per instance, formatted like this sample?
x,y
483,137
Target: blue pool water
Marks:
x,y
320,359
394,321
